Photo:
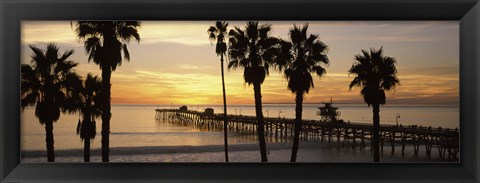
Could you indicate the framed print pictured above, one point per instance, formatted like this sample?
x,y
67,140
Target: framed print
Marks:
x,y
239,91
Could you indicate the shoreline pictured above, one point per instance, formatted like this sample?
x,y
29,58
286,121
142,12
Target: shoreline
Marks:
x,y
277,152
177,149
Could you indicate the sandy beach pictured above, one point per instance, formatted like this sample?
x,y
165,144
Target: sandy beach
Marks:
x,y
277,152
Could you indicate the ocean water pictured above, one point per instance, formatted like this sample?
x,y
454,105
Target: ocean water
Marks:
x,y
135,125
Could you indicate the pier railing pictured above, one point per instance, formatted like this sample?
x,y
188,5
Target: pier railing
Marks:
x,y
445,140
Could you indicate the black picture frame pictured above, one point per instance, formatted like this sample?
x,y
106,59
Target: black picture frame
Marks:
x,y
12,12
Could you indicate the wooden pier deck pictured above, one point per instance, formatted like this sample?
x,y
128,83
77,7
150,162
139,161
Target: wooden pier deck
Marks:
x,y
445,140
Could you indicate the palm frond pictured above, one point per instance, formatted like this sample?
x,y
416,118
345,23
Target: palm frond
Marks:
x,y
375,74
302,55
65,67
66,55
127,33
126,54
38,58
44,82
84,29
252,49
94,33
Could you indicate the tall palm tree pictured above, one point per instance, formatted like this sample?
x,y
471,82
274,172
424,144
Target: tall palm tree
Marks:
x,y
86,100
104,41
375,74
218,32
302,55
254,50
43,85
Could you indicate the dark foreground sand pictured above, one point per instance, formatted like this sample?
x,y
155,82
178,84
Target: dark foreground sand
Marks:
x,y
277,152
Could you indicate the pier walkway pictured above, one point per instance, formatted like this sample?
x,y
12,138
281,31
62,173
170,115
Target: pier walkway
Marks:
x,y
445,140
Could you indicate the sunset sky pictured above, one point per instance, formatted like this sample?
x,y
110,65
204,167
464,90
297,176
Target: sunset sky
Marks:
x,y
175,62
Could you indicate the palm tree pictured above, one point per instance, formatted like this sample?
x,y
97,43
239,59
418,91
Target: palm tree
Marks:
x,y
86,100
302,55
254,50
218,32
375,74
43,85
104,41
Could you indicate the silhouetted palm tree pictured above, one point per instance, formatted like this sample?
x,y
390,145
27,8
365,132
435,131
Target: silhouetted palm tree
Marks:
x,y
86,100
218,33
254,50
104,41
375,74
302,55
43,85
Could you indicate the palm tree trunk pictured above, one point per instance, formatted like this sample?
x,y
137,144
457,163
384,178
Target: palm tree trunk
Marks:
x,y
224,112
260,128
376,133
86,128
106,115
298,125
86,150
49,141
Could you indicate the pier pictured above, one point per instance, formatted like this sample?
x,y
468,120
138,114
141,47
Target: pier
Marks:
x,y
355,135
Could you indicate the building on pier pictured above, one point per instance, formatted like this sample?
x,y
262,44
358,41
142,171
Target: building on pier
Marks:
x,y
209,112
183,108
328,113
